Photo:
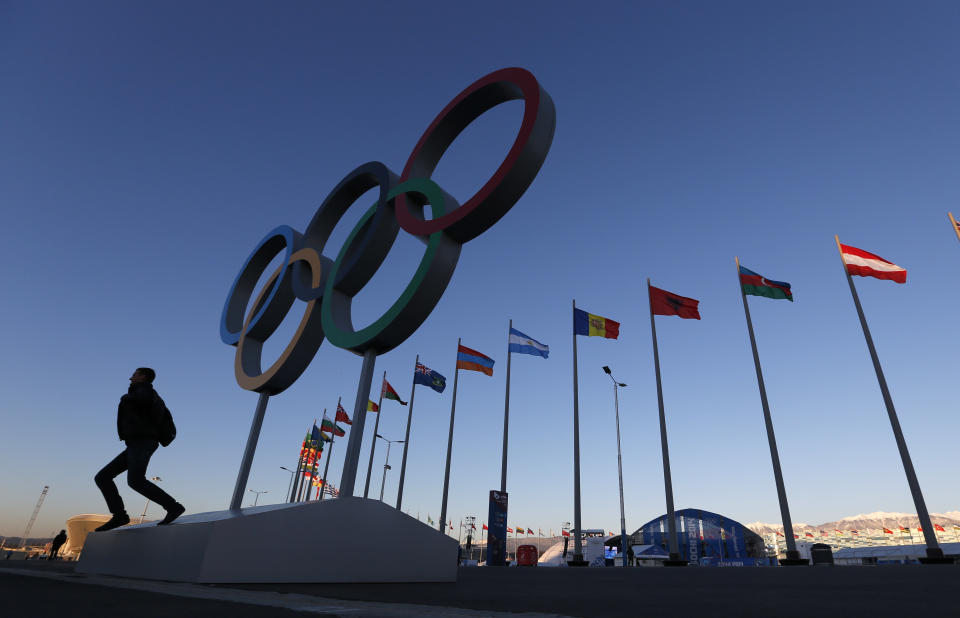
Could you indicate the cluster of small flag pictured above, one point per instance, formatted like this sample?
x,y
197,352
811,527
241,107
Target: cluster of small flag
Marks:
x,y
313,443
903,530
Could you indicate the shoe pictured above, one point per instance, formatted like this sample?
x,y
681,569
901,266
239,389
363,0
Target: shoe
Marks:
x,y
173,512
119,519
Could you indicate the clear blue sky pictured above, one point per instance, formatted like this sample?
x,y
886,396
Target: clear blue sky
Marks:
x,y
146,149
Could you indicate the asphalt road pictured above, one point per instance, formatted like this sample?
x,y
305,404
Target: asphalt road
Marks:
x,y
24,596
750,591
747,591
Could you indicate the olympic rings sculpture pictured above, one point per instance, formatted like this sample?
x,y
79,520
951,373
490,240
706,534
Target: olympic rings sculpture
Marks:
x,y
329,286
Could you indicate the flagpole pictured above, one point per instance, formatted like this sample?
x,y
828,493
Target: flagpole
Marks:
x,y
373,446
296,475
326,466
953,222
246,461
934,553
577,543
303,482
675,559
446,474
406,437
482,537
793,556
303,468
506,418
305,486
348,478
316,462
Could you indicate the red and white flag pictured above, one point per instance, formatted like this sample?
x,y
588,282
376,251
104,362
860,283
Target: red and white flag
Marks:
x,y
865,264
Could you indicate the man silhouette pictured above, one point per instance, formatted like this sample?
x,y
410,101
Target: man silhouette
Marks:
x,y
137,425
57,543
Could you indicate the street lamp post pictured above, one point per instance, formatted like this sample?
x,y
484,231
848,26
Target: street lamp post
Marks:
x,y
293,475
386,463
623,521
144,514
254,491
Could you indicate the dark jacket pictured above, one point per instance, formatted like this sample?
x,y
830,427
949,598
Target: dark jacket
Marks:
x,y
58,540
137,413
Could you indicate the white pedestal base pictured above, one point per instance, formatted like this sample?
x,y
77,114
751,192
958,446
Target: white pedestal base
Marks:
x,y
334,541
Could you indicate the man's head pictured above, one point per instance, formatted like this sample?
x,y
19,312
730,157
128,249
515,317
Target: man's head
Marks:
x,y
143,374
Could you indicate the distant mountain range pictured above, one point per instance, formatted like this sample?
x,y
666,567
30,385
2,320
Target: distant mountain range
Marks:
x,y
866,523
12,542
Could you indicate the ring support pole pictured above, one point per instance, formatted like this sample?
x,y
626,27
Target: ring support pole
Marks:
x,y
248,452
349,477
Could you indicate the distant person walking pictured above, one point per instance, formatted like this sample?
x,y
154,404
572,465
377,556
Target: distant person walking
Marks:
x,y
140,425
57,543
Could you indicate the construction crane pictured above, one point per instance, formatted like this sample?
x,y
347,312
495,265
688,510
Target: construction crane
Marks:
x,y
33,518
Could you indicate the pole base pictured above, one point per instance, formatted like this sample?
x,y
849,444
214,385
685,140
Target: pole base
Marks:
x,y
577,563
940,560
935,556
793,559
675,561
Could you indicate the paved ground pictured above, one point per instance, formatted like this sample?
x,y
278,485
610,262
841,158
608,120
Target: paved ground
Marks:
x,y
821,591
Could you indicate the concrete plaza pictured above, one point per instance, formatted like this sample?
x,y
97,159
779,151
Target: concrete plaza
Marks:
x,y
41,589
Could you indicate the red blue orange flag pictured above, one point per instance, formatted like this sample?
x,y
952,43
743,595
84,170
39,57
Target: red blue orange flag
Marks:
x,y
473,360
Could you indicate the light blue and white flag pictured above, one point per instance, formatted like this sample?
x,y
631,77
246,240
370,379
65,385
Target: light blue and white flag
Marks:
x,y
522,344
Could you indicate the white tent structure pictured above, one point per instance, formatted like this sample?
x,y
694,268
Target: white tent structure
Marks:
x,y
889,554
593,549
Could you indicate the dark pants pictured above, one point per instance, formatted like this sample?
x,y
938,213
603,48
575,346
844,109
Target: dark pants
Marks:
x,y
54,550
134,460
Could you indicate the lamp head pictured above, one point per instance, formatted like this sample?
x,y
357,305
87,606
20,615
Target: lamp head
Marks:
x,y
606,370
620,384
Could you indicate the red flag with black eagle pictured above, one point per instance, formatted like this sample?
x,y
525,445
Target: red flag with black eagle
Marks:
x,y
663,302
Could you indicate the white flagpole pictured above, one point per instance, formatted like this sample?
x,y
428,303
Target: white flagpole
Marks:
x,y
373,445
506,418
792,556
406,437
299,489
333,436
446,474
953,223
313,474
934,553
296,481
675,558
577,544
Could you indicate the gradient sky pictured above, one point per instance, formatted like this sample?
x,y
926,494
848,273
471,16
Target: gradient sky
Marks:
x,y
147,148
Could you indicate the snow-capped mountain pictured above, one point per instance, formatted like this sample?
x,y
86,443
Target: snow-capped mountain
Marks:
x,y
864,523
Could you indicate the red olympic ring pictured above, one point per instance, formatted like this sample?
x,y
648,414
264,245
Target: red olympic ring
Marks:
x,y
516,172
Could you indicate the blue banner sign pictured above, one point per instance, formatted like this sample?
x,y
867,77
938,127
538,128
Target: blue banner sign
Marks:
x,y
497,529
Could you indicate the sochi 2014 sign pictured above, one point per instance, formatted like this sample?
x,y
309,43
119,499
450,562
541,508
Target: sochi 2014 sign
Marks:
x,y
328,286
